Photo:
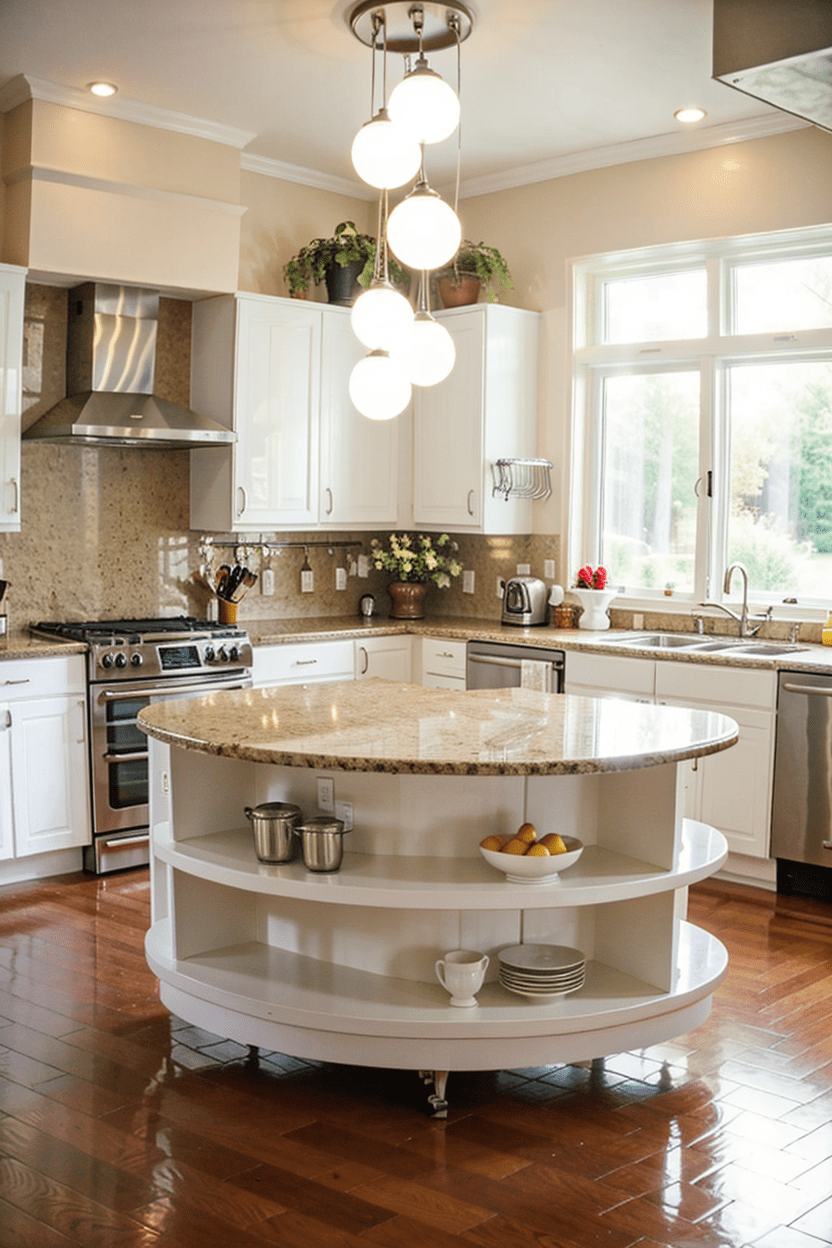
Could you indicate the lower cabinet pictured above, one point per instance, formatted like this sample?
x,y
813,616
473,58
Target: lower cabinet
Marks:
x,y
303,662
387,657
443,663
44,785
731,791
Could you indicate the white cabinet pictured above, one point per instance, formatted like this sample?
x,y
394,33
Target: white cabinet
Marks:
x,y
387,657
12,288
484,411
44,787
443,663
277,372
303,662
730,791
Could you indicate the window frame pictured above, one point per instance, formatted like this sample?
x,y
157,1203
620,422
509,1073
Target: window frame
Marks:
x,y
714,355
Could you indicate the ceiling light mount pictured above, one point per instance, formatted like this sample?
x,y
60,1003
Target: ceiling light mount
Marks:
x,y
412,27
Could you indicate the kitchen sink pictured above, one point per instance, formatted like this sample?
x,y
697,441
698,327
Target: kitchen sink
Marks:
x,y
770,649
661,641
702,645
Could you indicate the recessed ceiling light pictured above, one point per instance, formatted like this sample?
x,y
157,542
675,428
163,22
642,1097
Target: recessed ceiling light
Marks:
x,y
688,115
102,89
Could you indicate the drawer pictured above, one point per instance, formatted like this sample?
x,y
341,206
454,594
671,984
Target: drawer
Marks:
x,y
303,662
722,686
607,673
42,678
441,657
434,680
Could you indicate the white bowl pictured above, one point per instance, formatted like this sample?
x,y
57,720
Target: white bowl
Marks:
x,y
519,869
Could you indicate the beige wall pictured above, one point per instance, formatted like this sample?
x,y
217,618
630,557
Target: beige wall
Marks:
x,y
778,183
280,218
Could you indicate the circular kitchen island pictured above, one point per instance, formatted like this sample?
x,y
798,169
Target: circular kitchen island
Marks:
x,y
340,967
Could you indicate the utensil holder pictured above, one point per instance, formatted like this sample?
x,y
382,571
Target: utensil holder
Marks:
x,y
227,611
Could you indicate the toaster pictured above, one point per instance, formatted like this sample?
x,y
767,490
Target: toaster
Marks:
x,y
524,601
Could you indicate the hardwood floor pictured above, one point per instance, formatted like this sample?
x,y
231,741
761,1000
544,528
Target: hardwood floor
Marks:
x,y
122,1127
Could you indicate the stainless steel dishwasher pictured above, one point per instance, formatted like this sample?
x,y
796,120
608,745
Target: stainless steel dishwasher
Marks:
x,y
501,665
801,820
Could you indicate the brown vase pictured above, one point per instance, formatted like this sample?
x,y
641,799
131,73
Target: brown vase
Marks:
x,y
458,296
408,599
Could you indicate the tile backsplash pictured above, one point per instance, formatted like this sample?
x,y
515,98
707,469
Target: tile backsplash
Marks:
x,y
105,530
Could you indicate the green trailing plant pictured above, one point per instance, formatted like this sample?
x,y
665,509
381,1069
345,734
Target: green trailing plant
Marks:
x,y
347,246
483,262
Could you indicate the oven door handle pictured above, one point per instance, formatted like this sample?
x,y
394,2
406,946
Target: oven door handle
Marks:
x,y
122,695
123,842
125,758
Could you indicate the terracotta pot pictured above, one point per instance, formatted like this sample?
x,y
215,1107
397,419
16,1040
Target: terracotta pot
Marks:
x,y
458,296
408,599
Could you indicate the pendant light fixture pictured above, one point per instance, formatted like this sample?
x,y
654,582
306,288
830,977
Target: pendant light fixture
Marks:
x,y
378,388
383,155
425,351
381,313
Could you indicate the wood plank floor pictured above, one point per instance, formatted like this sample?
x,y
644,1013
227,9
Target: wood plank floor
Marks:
x,y
123,1127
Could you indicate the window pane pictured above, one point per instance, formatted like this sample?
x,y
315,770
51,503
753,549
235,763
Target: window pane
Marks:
x,y
657,307
786,295
649,469
780,523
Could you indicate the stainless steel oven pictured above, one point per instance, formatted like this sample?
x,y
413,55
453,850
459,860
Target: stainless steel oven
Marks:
x,y
130,664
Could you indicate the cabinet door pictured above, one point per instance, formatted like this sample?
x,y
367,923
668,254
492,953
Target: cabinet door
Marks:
x,y
735,785
359,457
6,825
448,444
276,405
49,774
610,676
387,657
11,357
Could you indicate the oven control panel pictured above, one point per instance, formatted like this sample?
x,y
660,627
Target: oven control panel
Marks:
x,y
154,658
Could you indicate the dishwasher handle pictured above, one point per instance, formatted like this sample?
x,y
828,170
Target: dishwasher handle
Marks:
x,y
821,690
496,660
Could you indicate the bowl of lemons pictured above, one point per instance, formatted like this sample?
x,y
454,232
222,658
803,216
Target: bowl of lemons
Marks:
x,y
526,858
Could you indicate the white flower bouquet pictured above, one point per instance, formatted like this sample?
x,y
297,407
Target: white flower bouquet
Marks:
x,y
416,560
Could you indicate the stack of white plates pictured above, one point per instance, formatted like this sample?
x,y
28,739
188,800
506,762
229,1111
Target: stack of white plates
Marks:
x,y
542,970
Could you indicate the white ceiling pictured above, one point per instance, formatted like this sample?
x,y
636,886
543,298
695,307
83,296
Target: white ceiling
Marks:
x,y
547,85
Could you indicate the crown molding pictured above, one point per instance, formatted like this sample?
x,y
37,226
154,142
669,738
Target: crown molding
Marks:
x,y
24,87
675,144
306,177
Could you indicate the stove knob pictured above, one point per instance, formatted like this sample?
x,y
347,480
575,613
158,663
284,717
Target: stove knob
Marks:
x,y
107,661
136,660
209,654
121,659
233,654
221,655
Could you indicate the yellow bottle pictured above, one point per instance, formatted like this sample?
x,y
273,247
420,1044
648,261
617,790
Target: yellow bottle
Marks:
x,y
826,634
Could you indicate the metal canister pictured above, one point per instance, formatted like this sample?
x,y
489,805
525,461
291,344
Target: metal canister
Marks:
x,y
322,842
273,824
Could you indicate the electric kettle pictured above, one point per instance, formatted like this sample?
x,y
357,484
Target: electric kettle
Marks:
x,y
524,601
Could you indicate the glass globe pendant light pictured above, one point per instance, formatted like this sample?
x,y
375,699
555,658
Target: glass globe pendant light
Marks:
x,y
423,105
383,155
378,388
425,352
423,231
381,313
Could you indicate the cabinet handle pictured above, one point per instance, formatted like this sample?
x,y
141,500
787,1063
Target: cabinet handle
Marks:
x,y
470,502
243,500
363,650
82,740
304,662
8,722
328,510
24,681
16,508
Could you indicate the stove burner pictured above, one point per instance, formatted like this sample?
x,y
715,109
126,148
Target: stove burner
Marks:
x,y
95,629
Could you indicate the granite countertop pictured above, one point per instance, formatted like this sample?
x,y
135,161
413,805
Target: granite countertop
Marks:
x,y
377,725
23,646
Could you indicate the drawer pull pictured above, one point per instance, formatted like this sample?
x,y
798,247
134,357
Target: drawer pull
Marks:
x,y
24,681
304,662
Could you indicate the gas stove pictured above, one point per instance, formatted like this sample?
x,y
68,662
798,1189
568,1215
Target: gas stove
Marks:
x,y
153,648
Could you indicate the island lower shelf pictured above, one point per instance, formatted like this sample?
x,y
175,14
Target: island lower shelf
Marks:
x,y
259,994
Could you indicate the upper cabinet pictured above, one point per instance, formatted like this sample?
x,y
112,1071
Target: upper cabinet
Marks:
x,y
277,372
12,289
484,411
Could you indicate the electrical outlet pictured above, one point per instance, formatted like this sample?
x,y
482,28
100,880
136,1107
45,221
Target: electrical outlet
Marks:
x,y
363,565
549,569
468,581
267,583
340,578
524,569
344,812
500,586
307,582
326,794
638,621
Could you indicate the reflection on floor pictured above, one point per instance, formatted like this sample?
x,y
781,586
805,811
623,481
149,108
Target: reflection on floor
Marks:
x,y
121,1127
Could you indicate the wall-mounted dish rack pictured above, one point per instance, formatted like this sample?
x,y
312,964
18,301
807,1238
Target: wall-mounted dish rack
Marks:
x,y
522,478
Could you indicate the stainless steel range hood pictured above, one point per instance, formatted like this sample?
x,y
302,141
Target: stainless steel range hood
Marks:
x,y
111,353
779,51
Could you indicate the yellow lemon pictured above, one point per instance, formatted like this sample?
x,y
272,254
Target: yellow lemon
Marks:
x,y
515,846
526,832
492,842
537,851
554,843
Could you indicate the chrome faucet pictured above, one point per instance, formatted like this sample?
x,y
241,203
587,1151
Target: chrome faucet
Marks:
x,y
746,628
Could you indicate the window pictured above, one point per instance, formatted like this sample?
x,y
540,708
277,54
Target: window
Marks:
x,y
702,430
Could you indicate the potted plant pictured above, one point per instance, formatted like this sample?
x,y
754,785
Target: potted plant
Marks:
x,y
341,261
414,562
594,596
475,265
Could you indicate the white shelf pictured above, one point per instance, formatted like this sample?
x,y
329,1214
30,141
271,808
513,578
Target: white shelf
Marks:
x,y
396,881
258,981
